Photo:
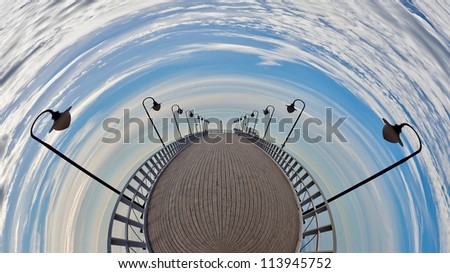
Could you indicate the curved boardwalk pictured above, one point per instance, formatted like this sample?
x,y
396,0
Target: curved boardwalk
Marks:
x,y
223,198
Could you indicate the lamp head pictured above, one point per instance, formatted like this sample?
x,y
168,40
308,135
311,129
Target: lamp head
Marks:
x,y
266,111
180,111
391,132
191,114
156,106
252,115
291,108
61,120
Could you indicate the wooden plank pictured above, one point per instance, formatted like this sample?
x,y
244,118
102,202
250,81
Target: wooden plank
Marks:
x,y
310,199
122,242
125,220
317,230
223,198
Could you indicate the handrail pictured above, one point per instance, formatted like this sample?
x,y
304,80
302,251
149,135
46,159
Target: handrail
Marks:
x,y
319,234
128,224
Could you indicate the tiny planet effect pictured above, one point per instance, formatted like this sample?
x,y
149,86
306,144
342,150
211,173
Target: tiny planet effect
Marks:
x,y
353,63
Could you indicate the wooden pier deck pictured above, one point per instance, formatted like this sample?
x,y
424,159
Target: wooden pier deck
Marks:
x,y
223,197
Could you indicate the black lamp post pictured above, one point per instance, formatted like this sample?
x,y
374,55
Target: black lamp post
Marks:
x,y
291,109
61,121
256,119
266,112
391,133
179,111
244,123
191,114
156,106
207,124
203,123
197,123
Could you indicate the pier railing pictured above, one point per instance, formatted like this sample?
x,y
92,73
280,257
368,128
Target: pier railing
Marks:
x,y
318,233
128,224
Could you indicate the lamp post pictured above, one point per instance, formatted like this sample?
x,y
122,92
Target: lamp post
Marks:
x,y
391,133
197,123
291,109
179,111
207,124
266,112
156,106
191,114
203,123
244,124
61,121
256,119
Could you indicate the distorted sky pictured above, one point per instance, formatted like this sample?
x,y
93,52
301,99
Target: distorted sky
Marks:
x,y
364,60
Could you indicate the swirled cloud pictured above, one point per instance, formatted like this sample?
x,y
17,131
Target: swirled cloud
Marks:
x,y
363,60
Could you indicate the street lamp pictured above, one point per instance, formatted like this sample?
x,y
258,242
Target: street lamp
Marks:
x,y
207,125
156,106
256,119
191,114
291,109
203,123
244,123
266,112
179,111
196,124
391,133
61,121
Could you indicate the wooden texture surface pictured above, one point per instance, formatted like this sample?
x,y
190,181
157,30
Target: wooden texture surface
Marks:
x,y
223,197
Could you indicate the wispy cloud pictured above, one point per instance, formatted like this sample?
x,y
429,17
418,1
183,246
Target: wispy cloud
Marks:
x,y
3,144
382,60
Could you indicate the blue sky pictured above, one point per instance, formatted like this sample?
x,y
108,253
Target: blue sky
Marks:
x,y
224,60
